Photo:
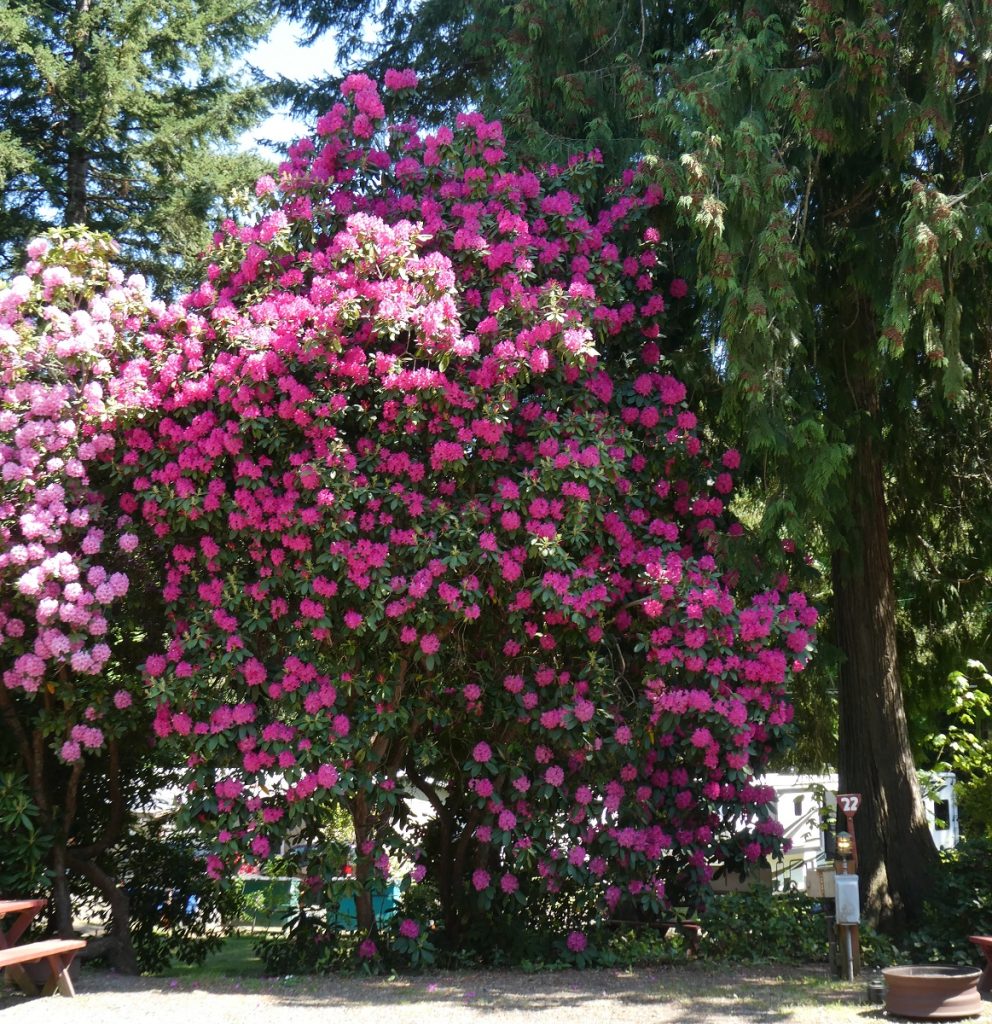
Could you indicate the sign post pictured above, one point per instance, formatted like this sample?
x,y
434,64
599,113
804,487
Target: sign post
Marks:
x,y
848,897
848,804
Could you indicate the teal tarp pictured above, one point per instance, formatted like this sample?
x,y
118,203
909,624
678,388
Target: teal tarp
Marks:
x,y
383,906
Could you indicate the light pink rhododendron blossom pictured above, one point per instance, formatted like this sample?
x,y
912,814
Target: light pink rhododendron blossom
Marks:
x,y
418,534
71,366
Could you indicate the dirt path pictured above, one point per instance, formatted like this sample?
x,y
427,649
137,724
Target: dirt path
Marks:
x,y
702,994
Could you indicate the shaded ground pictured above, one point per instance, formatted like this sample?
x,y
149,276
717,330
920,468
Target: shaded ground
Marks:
x,y
662,995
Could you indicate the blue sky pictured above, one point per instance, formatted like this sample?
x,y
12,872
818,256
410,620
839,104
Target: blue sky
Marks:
x,y
281,54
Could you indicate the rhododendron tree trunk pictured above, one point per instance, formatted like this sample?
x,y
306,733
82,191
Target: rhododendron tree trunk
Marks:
x,y
364,868
416,531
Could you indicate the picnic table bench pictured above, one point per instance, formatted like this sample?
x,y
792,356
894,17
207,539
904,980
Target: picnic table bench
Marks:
x,y
56,954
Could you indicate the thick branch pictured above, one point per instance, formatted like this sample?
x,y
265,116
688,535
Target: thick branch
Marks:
x,y
36,772
120,909
72,799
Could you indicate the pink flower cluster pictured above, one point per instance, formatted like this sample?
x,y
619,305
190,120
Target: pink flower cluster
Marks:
x,y
69,337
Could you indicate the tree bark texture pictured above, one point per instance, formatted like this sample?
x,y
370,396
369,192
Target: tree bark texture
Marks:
x,y
118,947
896,853
61,904
76,173
361,822
77,155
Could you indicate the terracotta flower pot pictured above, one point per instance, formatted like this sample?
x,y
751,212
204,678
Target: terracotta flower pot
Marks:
x,y
932,992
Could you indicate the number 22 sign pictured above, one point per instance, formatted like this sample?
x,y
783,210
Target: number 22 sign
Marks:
x,y
849,803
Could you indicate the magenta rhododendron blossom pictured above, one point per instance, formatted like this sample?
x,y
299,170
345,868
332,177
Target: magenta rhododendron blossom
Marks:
x,y
509,883
420,534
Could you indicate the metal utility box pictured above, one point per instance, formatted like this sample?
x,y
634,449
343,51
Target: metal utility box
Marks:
x,y
848,908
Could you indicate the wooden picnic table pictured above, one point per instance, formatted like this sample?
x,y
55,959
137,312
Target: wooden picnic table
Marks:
x,y
26,911
56,954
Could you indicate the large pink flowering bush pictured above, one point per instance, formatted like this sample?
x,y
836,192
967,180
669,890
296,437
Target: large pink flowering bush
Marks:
x,y
69,332
71,368
420,535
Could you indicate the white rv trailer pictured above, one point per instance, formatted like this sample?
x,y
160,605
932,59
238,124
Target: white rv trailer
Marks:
x,y
798,808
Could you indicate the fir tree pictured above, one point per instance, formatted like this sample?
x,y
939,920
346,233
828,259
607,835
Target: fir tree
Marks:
x,y
121,115
455,46
833,169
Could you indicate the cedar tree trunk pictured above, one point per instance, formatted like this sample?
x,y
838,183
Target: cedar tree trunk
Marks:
x,y
896,853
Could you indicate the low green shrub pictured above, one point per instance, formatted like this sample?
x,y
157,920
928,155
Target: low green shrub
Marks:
x,y
411,939
306,945
764,925
879,949
958,905
25,843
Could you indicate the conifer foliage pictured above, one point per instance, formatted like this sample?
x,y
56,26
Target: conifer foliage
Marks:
x,y
120,114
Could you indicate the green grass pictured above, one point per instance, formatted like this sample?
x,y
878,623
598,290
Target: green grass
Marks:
x,y
235,959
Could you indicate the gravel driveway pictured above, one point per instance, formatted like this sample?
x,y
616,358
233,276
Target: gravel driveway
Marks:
x,y
663,995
